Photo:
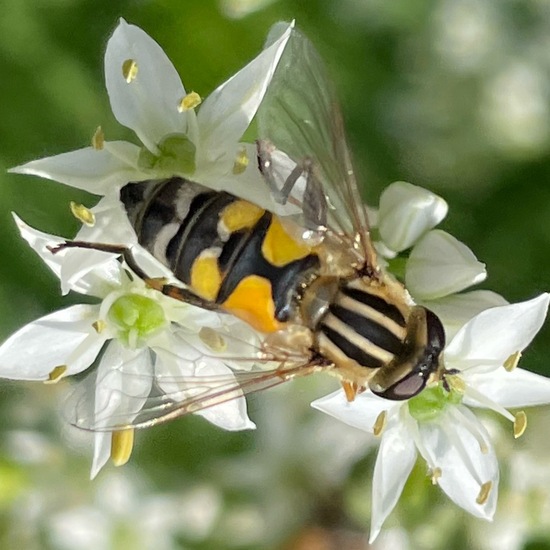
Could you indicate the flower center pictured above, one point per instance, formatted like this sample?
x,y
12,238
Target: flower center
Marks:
x,y
177,155
136,317
430,403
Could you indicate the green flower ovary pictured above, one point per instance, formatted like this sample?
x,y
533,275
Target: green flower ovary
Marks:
x,y
177,155
430,403
136,317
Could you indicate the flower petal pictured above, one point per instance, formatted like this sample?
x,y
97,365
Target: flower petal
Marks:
x,y
440,265
228,110
519,388
102,452
406,213
148,104
495,334
361,413
452,446
63,338
395,460
179,368
84,271
93,170
457,309
123,383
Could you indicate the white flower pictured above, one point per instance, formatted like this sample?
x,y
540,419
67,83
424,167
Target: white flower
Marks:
x,y
439,424
147,96
439,267
146,337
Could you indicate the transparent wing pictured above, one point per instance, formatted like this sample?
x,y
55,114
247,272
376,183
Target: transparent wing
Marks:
x,y
302,150
185,373
188,394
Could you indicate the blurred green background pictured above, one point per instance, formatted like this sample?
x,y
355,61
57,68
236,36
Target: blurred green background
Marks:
x,y
452,95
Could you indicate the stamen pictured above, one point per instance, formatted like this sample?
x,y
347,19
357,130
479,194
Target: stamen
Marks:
x,y
212,339
436,474
241,162
512,362
82,214
456,383
350,389
122,443
190,101
474,430
129,70
56,374
99,326
98,139
520,424
484,492
489,403
380,423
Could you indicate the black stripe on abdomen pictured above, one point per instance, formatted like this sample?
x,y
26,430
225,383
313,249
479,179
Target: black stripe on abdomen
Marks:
x,y
352,351
377,303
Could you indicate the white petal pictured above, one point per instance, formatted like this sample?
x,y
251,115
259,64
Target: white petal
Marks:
x,y
148,104
361,413
395,460
123,383
177,362
231,415
495,334
464,467
519,388
65,337
439,265
95,171
227,112
84,271
456,310
102,452
406,213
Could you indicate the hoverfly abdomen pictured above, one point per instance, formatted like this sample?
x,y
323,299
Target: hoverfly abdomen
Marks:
x,y
228,251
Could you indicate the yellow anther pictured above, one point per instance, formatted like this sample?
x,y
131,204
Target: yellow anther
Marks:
x,y
98,139
484,492
82,214
436,474
190,101
122,443
380,423
99,326
520,424
456,383
241,161
129,70
512,362
56,374
212,339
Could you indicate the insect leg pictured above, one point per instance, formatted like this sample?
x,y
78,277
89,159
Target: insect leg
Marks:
x,y
159,284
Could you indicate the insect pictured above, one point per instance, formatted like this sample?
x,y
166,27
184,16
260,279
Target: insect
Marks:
x,y
305,274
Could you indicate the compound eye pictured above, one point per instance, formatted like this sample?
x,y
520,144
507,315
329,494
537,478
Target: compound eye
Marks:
x,y
405,388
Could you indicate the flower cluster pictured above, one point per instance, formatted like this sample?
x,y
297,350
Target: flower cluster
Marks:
x,y
144,342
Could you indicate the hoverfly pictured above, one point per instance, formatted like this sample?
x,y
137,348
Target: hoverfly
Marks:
x,y
305,274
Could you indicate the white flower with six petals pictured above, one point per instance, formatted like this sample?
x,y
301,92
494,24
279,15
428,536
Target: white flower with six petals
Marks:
x,y
439,424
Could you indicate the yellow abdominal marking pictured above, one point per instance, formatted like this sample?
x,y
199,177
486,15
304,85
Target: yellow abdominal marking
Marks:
x,y
190,101
56,374
98,139
240,215
82,214
129,70
252,302
279,248
122,443
206,278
